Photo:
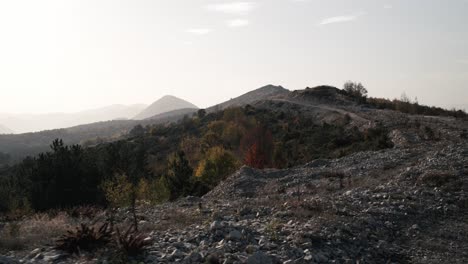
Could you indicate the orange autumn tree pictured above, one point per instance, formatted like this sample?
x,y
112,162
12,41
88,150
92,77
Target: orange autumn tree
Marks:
x,y
258,148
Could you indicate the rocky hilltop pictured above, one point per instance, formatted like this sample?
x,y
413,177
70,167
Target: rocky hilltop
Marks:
x,y
267,92
406,204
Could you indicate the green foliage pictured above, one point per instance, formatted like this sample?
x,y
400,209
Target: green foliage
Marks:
x,y
356,90
272,229
137,131
65,177
118,191
191,146
201,113
151,191
178,178
158,164
217,164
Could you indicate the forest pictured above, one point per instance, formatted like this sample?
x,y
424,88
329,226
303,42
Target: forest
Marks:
x,y
163,162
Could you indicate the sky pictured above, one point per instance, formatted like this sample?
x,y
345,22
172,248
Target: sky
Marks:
x,y
69,55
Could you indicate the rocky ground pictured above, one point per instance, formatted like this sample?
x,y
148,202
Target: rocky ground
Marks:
x,y
408,204
403,205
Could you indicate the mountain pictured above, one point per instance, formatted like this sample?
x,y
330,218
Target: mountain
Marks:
x,y
263,93
172,115
23,123
347,179
5,130
165,104
21,145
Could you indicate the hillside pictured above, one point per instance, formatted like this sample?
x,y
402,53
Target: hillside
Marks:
x,y
330,179
167,103
323,104
19,146
263,93
26,123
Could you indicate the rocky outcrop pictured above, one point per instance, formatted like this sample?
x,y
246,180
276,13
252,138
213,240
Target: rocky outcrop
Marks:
x,y
401,205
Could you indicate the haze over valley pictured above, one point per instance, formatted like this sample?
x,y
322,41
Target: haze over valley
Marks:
x,y
234,132
23,123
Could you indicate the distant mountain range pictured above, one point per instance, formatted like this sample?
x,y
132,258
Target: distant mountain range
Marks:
x,y
165,104
23,123
323,103
166,109
5,130
27,123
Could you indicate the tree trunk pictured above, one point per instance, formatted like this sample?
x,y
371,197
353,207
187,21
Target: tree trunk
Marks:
x,y
135,220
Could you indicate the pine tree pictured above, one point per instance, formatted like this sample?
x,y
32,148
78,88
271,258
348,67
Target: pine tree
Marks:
x,y
178,178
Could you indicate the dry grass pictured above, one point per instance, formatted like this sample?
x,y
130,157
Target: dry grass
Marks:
x,y
38,230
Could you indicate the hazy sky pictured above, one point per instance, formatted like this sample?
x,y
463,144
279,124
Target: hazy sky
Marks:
x,y
70,55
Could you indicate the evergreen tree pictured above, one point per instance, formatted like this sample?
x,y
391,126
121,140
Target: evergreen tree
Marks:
x,y
137,131
178,178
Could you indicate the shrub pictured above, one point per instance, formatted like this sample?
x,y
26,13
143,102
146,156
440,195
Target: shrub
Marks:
x,y
85,211
118,191
356,90
10,237
218,164
132,243
178,178
258,146
191,146
85,238
407,106
273,228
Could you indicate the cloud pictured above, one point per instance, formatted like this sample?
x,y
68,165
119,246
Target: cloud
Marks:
x,y
199,31
463,61
233,8
387,6
238,23
340,19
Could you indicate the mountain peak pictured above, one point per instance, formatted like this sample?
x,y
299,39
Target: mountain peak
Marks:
x,y
263,93
272,87
164,104
323,94
168,96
